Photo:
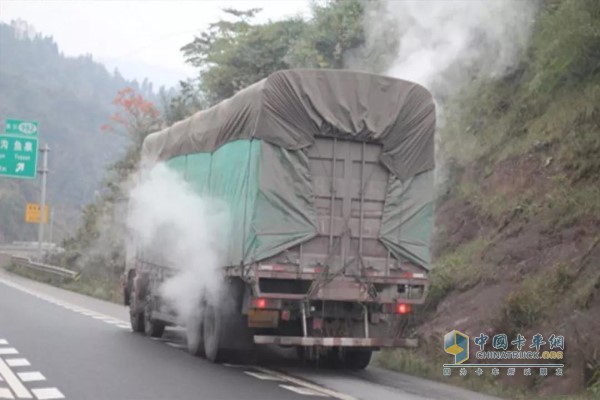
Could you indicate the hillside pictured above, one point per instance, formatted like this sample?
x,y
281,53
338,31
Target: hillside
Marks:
x,y
518,219
70,98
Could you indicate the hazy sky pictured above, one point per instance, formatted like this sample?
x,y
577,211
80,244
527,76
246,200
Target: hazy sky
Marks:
x,y
142,37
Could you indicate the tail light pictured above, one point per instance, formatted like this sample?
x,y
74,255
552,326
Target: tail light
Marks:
x,y
403,308
262,303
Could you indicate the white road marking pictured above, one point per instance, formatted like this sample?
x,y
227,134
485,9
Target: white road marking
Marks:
x,y
31,376
176,345
303,390
48,394
262,377
17,362
303,383
3,341
13,382
8,350
5,394
83,311
87,313
112,321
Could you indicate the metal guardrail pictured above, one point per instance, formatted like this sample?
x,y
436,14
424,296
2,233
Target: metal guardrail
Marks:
x,y
50,269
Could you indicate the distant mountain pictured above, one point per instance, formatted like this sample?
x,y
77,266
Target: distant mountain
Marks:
x,y
70,98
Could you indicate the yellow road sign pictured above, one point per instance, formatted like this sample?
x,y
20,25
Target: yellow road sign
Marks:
x,y
32,213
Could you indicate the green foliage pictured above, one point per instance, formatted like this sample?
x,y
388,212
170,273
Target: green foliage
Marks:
x,y
566,44
567,204
406,361
234,55
335,28
529,303
552,95
185,103
101,288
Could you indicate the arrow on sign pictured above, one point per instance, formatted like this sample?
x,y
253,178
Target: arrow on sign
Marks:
x,y
20,167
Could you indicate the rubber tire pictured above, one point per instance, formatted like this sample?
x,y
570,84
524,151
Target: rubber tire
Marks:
x,y
152,327
136,318
212,324
195,335
357,359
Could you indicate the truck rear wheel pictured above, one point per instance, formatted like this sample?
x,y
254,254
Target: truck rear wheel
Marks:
x,y
152,327
136,318
194,334
212,334
357,359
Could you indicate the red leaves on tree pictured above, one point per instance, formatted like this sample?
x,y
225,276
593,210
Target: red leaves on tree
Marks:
x,y
136,115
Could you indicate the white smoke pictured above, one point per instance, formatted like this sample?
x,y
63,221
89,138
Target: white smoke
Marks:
x,y
444,43
176,227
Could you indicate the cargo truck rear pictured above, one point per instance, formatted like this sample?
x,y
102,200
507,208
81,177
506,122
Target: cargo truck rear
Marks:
x,y
328,180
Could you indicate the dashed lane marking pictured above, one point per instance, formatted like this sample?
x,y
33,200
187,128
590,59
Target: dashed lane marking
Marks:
x,y
17,362
47,394
13,382
31,376
5,393
303,390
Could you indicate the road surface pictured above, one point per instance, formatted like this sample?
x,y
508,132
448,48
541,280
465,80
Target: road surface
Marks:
x,y
55,344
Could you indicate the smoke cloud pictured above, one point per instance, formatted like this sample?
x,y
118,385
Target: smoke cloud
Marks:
x,y
176,227
443,44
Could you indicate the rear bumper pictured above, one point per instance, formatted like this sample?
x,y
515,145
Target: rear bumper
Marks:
x,y
334,341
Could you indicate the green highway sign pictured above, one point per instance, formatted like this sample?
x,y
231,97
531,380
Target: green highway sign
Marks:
x,y
19,149
19,127
18,156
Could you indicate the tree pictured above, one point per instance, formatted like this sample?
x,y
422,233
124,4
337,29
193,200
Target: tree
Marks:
x,y
233,55
336,27
135,115
183,104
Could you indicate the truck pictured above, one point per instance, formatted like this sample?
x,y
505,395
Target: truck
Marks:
x,y
328,176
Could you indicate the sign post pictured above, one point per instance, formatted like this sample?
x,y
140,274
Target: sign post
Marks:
x,y
44,173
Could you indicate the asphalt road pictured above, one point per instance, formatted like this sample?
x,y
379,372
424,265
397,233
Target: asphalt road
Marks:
x,y
55,344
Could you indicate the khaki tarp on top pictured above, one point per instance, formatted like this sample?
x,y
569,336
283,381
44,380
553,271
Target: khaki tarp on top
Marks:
x,y
272,199
289,108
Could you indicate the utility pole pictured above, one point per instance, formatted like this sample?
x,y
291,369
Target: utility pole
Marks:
x,y
50,238
44,172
